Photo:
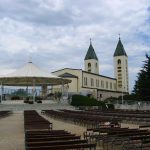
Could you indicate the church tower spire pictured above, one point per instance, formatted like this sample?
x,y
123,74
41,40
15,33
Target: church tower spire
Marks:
x,y
120,49
91,63
121,67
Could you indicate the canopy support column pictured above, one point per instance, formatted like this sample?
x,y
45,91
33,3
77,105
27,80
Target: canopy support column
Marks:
x,y
33,90
27,91
44,90
67,91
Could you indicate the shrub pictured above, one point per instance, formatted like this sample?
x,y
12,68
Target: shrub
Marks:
x,y
39,101
15,97
27,98
30,102
38,98
111,100
50,94
26,101
79,100
110,106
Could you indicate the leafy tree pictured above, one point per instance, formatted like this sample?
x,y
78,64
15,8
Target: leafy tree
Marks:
x,y
58,95
142,85
20,92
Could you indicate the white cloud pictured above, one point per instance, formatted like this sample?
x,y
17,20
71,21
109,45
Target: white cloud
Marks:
x,y
134,70
56,32
6,69
55,5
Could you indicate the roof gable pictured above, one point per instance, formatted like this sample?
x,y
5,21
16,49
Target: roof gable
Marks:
x,y
67,75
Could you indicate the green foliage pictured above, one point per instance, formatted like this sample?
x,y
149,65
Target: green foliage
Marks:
x,y
39,101
79,100
27,98
20,92
30,102
26,101
110,106
130,99
50,95
142,85
111,100
15,97
58,95
38,98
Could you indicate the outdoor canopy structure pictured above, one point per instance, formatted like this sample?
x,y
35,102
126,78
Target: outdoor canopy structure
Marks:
x,y
31,75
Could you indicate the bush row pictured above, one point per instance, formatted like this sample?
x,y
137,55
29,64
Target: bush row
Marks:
x,y
80,100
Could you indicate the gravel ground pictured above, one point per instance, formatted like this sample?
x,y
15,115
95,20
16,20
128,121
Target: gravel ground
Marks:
x,y
12,127
12,132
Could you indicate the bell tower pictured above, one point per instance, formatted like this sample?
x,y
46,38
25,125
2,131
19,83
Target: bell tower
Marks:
x,y
91,63
121,67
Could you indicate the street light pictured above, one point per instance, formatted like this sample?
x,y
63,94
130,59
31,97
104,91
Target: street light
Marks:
x,y
122,93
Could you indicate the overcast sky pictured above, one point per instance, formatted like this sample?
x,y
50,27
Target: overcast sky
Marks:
x,y
56,33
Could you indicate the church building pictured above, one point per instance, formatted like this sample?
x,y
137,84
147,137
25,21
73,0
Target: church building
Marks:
x,y
90,81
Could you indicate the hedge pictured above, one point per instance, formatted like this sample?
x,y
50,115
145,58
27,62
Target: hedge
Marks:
x,y
15,97
80,100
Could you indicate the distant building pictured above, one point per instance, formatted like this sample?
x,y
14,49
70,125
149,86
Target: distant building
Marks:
x,y
89,81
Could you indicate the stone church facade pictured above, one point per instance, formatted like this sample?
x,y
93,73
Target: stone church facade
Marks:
x,y
89,81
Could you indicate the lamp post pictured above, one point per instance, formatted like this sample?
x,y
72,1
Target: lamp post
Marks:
x,y
122,94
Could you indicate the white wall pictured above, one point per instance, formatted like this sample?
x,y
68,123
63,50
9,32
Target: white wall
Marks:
x,y
103,81
76,83
124,73
93,62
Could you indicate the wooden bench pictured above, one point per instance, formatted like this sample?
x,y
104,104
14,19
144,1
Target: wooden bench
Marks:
x,y
64,147
38,137
51,143
71,137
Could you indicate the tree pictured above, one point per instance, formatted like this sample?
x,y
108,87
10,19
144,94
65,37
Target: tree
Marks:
x,y
142,85
20,92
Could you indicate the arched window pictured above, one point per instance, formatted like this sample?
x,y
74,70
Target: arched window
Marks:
x,y
119,62
96,65
89,65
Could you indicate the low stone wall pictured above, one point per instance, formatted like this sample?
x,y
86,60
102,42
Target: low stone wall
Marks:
x,y
102,95
145,106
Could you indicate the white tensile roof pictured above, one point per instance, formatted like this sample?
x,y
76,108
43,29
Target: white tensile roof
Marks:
x,y
30,73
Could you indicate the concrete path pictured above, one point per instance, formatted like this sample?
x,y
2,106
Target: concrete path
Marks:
x,y
12,132
46,105
62,125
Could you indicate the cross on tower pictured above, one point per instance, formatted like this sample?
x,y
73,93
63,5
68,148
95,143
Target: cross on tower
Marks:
x,y
90,41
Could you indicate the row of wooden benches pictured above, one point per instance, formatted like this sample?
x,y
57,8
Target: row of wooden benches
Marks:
x,y
5,113
138,117
79,117
125,137
33,121
55,140
42,139
112,137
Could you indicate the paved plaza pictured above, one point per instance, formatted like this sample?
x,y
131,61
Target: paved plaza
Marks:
x,y
46,105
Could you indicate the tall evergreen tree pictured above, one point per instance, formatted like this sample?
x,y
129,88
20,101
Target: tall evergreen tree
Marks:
x,y
142,85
